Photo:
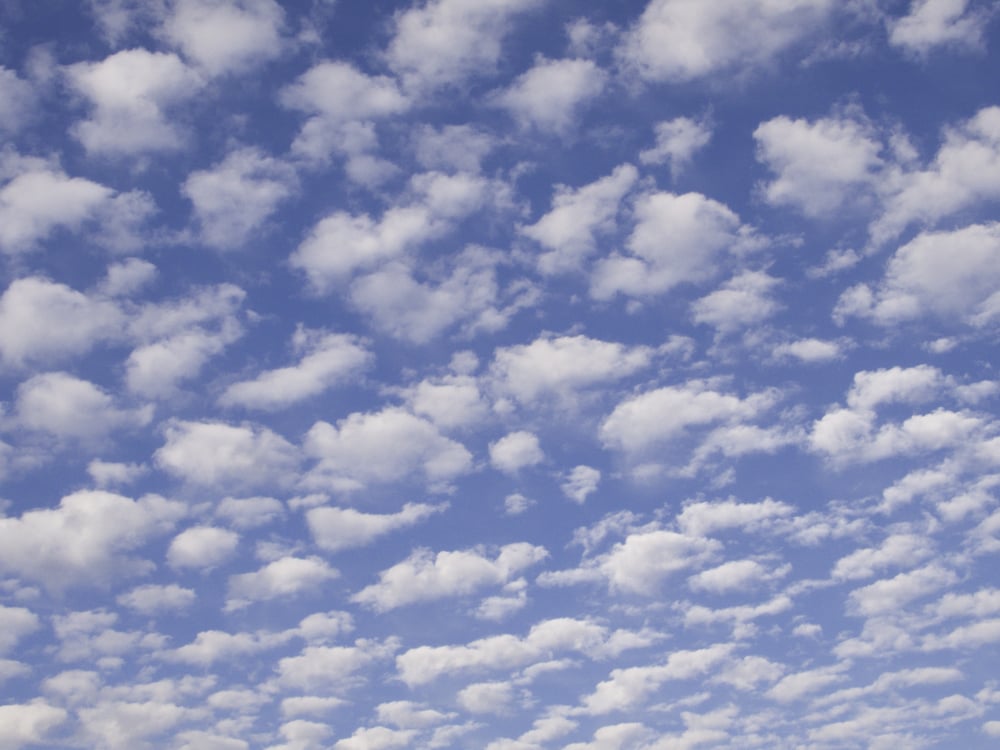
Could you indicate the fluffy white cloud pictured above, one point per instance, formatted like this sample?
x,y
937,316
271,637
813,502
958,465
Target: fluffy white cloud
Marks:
x,y
677,239
326,360
704,518
677,141
86,539
486,697
226,36
559,366
425,576
892,594
67,407
130,93
640,564
808,350
580,482
449,402
939,23
735,575
474,29
515,451
664,414
962,175
41,199
950,274
384,446
896,550
217,453
329,669
820,165
250,512
155,370
42,321
154,599
15,623
285,577
551,95
424,664
742,301
202,547
569,231
376,738
234,198
17,101
335,529
679,40
25,724
458,148
628,688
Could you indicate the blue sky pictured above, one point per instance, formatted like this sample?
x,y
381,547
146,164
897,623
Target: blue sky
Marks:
x,y
505,374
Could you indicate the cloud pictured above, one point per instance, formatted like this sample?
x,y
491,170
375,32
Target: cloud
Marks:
x,y
211,453
677,141
820,166
640,564
331,669
17,101
40,199
551,95
735,575
86,539
683,40
326,360
202,547
677,239
234,198
226,36
24,724
335,529
458,148
580,482
808,350
250,512
15,624
931,24
569,231
66,407
475,30
742,301
949,274
704,518
385,446
559,366
425,576
282,578
131,93
156,599
451,401
42,321
515,451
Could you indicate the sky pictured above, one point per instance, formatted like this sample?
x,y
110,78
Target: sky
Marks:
x,y
499,374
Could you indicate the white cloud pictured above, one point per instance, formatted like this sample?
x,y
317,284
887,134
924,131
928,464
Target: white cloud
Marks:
x,y
105,473
459,148
43,321
744,300
330,669
580,482
202,547
342,244
326,361
680,40
425,576
130,93
250,512
211,453
285,577
24,724
128,277
551,95
335,529
234,198
424,664
892,594
451,401
384,446
907,385
704,518
819,166
795,686
40,200
939,23
677,239
559,366
735,575
569,231
897,550
155,370
88,538
410,715
154,599
15,624
515,451
962,175
664,414
628,688
486,697
677,141
226,36
67,407
808,350
950,274
474,29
